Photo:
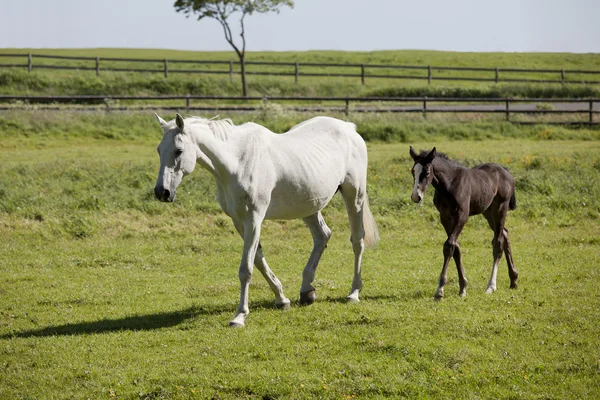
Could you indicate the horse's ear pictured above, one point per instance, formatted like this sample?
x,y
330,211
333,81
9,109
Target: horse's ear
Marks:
x,y
179,122
431,155
413,154
161,121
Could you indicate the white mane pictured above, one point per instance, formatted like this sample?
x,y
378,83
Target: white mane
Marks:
x,y
219,127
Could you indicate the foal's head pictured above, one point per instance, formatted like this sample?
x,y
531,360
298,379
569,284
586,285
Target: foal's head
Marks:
x,y
177,158
422,172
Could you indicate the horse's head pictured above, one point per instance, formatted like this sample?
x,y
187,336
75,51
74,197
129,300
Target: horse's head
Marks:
x,y
422,172
177,157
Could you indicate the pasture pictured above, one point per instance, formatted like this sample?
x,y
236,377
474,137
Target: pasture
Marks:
x,y
107,293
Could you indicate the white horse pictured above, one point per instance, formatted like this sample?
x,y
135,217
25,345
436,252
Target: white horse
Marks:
x,y
261,175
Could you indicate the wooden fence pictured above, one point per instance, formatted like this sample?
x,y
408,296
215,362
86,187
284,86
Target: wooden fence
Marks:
x,y
506,106
297,69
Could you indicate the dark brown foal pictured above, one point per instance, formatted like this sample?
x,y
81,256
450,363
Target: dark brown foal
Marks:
x,y
460,192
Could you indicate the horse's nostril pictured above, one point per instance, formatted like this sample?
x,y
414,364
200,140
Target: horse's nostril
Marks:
x,y
166,195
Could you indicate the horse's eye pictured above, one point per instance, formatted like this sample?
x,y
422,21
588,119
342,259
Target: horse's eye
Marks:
x,y
178,152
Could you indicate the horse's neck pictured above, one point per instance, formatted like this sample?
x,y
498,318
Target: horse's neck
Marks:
x,y
443,172
217,149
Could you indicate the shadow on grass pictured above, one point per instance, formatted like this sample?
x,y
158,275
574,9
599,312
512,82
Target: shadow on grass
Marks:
x,y
130,323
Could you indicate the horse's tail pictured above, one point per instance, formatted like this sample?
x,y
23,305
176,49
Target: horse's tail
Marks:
x,y
371,233
512,204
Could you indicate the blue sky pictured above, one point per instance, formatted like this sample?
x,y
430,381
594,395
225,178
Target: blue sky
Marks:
x,y
455,25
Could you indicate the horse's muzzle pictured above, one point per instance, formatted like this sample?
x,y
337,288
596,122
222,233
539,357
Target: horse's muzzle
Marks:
x,y
164,195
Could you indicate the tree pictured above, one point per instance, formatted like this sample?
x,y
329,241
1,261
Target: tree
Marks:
x,y
222,10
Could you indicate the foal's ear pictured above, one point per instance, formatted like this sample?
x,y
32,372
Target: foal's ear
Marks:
x,y
413,153
179,122
161,121
431,155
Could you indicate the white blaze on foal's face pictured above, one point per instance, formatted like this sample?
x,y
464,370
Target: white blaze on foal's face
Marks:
x,y
417,194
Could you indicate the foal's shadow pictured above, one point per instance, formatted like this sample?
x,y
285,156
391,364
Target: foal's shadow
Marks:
x,y
131,323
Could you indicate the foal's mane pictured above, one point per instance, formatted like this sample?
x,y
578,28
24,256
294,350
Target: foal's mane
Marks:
x,y
439,154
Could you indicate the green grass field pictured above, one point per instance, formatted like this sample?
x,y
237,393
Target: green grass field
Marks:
x,y
108,293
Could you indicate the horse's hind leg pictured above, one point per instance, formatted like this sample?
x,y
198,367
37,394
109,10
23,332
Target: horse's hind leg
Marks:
x,y
261,264
355,201
321,234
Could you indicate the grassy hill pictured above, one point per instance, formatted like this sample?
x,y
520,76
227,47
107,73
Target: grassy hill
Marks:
x,y
60,82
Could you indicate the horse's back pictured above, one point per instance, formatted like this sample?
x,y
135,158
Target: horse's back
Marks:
x,y
311,161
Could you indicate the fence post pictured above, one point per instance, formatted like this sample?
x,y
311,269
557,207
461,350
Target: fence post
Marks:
x,y
497,70
425,107
29,62
296,73
362,73
230,71
429,74
347,110
591,117
507,109
562,76
97,66
187,102
166,68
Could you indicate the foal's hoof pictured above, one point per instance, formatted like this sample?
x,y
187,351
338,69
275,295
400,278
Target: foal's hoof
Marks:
x,y
307,298
490,290
437,298
514,285
352,299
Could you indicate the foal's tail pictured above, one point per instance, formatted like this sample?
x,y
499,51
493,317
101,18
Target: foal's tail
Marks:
x,y
512,204
371,233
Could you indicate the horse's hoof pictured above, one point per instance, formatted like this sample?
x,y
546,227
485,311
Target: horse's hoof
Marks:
x,y
462,294
514,285
234,324
437,298
307,298
490,290
283,306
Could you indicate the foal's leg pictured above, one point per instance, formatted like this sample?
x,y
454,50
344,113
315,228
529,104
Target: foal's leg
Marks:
x,y
512,271
251,239
453,228
462,279
321,234
355,201
496,215
261,264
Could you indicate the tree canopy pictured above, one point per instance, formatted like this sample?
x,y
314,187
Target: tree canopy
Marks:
x,y
222,11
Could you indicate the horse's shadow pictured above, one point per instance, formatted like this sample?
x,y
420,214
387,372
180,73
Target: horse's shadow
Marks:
x,y
129,323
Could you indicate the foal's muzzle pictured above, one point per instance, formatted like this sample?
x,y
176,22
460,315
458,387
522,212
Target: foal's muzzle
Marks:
x,y
416,197
164,194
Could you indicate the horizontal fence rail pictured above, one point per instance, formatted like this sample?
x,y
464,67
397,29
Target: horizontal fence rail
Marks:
x,y
424,105
293,69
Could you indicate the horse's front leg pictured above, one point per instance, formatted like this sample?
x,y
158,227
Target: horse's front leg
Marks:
x,y
321,234
251,226
261,264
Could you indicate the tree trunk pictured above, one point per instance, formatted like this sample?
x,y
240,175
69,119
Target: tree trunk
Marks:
x,y
243,71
